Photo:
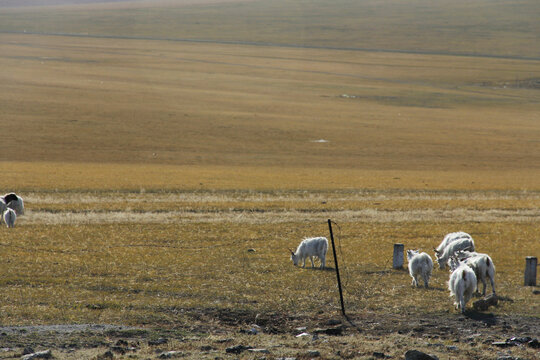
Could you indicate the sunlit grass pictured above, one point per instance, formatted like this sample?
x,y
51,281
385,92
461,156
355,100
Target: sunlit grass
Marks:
x,y
162,115
105,180
135,273
150,167
501,28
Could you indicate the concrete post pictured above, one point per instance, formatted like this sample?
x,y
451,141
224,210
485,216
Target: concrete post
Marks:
x,y
531,262
398,256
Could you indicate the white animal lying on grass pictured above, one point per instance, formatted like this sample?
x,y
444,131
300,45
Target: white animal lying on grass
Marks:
x,y
462,283
310,247
482,266
420,264
449,251
9,217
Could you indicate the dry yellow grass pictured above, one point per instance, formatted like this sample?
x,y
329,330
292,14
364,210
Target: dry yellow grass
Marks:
x,y
150,167
134,271
223,106
49,176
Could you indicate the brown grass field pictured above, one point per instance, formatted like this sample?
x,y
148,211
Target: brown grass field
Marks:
x,y
151,164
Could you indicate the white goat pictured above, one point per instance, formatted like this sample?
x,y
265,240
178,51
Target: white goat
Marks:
x,y
420,264
9,217
15,202
449,238
310,247
3,206
482,266
462,284
456,245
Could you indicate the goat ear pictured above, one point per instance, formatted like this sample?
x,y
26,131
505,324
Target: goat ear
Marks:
x,y
436,251
292,252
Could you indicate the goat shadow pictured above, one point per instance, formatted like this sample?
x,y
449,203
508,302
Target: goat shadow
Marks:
x,y
317,268
432,288
488,319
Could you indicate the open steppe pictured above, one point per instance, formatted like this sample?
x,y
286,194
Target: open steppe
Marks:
x,y
152,155
181,103
201,268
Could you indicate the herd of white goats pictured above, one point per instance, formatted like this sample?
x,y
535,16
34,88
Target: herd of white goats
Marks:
x,y
456,250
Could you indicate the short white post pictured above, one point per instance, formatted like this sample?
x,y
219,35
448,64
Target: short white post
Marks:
x,y
398,256
531,262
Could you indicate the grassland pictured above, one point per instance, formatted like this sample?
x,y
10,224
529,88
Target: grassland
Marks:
x,y
154,102
112,97
106,250
151,166
179,260
502,28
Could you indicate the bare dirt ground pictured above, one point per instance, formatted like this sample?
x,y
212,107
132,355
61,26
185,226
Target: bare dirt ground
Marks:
x,y
220,334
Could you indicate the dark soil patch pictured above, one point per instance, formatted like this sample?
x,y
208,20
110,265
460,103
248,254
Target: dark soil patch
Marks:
x,y
472,328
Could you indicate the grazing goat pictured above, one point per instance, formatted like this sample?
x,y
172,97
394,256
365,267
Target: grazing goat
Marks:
x,y
420,264
462,284
310,247
449,238
15,202
482,266
452,248
9,217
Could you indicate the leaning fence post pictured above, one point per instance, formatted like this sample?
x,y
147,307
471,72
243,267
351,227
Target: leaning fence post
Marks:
x,y
531,262
337,267
398,256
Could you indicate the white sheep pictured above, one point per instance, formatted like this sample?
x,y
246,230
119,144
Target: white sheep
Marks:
x,y
3,205
9,217
310,247
462,283
449,238
420,264
15,202
454,246
482,266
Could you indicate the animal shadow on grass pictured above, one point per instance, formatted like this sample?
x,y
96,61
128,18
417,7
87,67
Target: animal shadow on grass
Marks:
x,y
488,319
326,268
317,268
434,288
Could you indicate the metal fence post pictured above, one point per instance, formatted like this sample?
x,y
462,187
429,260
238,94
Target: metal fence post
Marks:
x,y
337,268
